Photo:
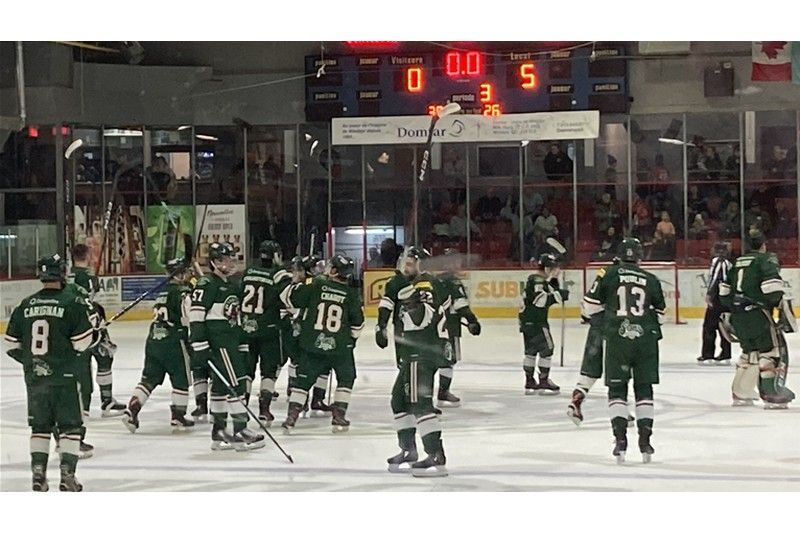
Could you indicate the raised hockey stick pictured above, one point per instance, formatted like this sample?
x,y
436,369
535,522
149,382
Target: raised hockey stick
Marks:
x,y
107,219
563,316
449,109
260,423
197,269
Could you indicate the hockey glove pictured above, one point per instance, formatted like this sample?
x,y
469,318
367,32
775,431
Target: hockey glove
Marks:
x,y
17,355
474,328
380,337
554,283
564,294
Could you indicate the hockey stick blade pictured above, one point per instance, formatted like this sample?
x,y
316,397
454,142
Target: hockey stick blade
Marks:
x,y
74,145
449,109
249,411
552,241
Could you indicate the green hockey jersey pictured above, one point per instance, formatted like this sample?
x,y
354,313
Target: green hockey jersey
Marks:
x,y
332,316
537,297
459,307
388,302
84,278
754,280
261,304
424,322
47,332
214,313
630,299
171,312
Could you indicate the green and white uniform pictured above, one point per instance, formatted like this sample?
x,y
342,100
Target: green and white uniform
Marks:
x,y
47,333
215,335
331,319
753,291
458,310
537,298
387,309
165,351
631,304
262,322
423,319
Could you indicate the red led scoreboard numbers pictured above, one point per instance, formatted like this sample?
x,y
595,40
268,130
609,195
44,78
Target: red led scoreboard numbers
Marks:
x,y
491,84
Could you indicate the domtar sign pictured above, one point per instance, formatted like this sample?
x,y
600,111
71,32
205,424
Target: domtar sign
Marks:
x,y
563,125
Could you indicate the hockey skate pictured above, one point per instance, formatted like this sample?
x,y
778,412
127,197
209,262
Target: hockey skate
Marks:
x,y
574,410
776,401
339,424
130,417
742,402
200,413
318,407
631,421
111,408
291,419
69,483
39,479
85,450
178,420
448,399
704,361
530,385
646,448
401,463
247,440
620,447
221,440
722,360
546,387
264,414
431,466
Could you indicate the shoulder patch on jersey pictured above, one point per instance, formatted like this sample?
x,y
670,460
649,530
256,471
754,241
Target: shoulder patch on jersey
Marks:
x,y
423,285
601,272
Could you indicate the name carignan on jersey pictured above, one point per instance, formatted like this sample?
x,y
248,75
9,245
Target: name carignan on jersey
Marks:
x,y
44,310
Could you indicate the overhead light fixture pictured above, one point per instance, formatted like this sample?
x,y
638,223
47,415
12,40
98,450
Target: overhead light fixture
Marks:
x,y
206,137
116,132
184,127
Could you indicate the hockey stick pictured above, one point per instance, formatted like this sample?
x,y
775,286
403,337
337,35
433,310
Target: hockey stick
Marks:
x,y
563,316
107,219
198,270
260,423
556,245
449,109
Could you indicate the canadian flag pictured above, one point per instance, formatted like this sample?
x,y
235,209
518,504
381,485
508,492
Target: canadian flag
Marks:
x,y
772,61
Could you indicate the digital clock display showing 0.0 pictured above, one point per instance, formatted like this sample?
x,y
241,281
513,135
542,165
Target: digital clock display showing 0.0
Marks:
x,y
386,84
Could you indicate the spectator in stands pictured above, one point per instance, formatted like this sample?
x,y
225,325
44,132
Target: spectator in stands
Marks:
x,y
642,219
695,201
606,213
488,207
732,164
785,223
557,164
710,162
755,217
374,258
764,197
532,201
730,220
698,230
546,225
458,224
660,172
609,243
665,227
777,165
663,248
445,211
389,253
643,171
695,152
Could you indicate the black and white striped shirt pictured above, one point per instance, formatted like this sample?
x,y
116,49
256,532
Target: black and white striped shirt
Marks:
x,y
717,273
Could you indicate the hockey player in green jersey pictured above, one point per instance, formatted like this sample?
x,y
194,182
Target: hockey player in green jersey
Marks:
x,y
332,320
261,322
389,301
303,271
541,291
215,334
422,308
47,333
752,292
458,310
632,305
102,349
165,350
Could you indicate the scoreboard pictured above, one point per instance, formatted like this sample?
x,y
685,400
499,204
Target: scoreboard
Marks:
x,y
389,84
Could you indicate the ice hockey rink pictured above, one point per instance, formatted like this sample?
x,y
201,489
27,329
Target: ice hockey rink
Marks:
x,y
499,440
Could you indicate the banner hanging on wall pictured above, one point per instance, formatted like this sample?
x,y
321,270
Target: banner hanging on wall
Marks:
x,y
549,126
166,226
223,223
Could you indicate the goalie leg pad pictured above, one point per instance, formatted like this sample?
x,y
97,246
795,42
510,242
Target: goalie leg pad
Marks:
x,y
745,380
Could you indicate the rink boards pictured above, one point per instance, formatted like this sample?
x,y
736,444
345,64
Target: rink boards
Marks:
x,y
493,293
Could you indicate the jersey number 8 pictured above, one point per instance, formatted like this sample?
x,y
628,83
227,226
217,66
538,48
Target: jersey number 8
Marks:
x,y
40,331
331,315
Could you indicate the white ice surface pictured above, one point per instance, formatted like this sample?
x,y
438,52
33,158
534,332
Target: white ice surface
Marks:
x,y
498,440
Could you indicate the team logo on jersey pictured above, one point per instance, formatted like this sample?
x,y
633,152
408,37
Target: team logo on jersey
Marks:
x,y
630,331
159,332
41,369
250,325
325,343
230,309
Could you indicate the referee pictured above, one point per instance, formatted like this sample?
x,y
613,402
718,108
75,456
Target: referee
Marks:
x,y
717,273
